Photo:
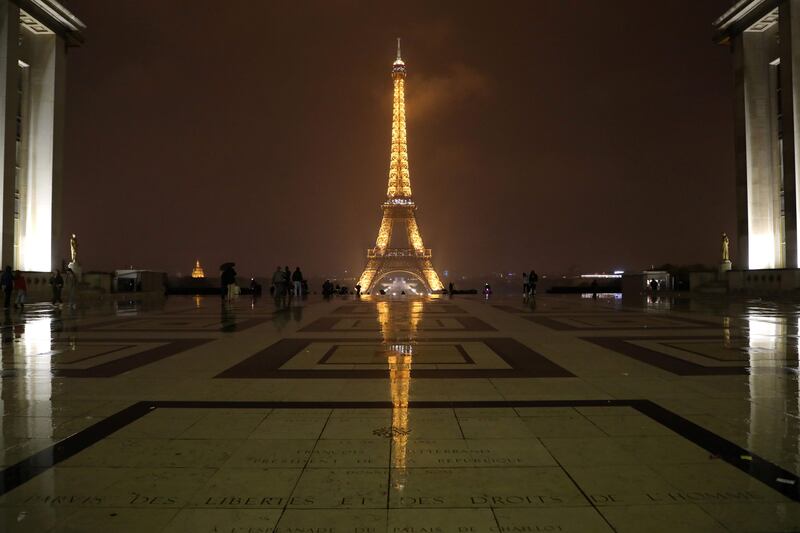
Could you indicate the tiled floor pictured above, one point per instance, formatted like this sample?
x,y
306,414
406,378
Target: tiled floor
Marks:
x,y
439,415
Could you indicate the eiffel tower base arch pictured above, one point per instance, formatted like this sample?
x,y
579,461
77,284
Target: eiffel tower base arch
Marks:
x,y
419,268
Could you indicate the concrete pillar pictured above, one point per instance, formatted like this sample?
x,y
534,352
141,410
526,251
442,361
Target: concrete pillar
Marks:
x,y
740,154
36,213
765,232
59,121
790,55
789,17
9,57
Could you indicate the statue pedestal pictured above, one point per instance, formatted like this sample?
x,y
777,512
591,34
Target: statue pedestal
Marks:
x,y
77,270
724,267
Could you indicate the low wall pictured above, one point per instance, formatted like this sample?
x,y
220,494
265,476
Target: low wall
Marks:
x,y
766,280
38,286
697,280
92,286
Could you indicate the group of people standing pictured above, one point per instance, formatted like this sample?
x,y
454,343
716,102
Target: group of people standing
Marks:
x,y
529,282
286,284
15,285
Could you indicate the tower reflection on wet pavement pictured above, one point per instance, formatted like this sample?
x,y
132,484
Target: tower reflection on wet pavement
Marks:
x,y
459,413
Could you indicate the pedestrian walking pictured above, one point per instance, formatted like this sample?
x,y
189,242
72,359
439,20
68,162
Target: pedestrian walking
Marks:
x,y
56,284
525,287
227,281
297,280
533,279
280,285
327,289
287,280
7,281
277,280
21,289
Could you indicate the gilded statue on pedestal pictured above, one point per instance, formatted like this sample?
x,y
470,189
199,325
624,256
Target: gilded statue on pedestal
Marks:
x,y
725,248
73,248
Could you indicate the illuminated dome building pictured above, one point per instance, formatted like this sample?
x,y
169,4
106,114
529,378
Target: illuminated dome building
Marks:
x,y
197,271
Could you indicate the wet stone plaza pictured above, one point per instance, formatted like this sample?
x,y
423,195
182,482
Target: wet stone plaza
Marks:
x,y
426,415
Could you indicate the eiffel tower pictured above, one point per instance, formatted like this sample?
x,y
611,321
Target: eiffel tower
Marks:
x,y
389,256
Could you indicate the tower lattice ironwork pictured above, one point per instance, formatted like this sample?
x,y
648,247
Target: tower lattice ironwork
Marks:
x,y
389,256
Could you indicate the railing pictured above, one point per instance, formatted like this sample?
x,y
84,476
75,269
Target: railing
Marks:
x,y
399,252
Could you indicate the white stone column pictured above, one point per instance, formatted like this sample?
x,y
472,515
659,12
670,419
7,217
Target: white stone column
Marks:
x,y
790,70
45,57
792,50
763,176
740,154
59,122
9,57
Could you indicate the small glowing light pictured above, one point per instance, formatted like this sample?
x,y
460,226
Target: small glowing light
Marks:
x,y
601,276
619,272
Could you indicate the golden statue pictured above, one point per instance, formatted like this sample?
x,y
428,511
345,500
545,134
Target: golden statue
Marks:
x,y
725,249
73,248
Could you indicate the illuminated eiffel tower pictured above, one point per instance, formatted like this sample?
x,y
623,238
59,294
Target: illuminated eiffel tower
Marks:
x,y
388,256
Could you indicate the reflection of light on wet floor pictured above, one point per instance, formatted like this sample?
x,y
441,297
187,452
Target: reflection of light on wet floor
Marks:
x,y
392,318
129,308
768,347
36,341
766,339
37,352
602,295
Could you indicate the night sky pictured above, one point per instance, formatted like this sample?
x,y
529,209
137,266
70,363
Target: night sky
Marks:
x,y
555,134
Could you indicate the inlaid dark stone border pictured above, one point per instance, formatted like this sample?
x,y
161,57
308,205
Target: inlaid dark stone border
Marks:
x,y
360,309
523,361
556,324
531,309
326,324
725,450
743,359
670,363
467,360
227,323
166,348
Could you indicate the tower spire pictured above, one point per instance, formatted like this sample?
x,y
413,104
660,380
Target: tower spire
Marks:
x,y
399,176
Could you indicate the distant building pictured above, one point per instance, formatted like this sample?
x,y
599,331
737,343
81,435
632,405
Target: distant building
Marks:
x,y
197,271
34,37
130,280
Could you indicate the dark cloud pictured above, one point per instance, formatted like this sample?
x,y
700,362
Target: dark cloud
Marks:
x,y
450,91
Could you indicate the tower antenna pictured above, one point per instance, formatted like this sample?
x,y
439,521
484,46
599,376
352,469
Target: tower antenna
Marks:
x,y
398,48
